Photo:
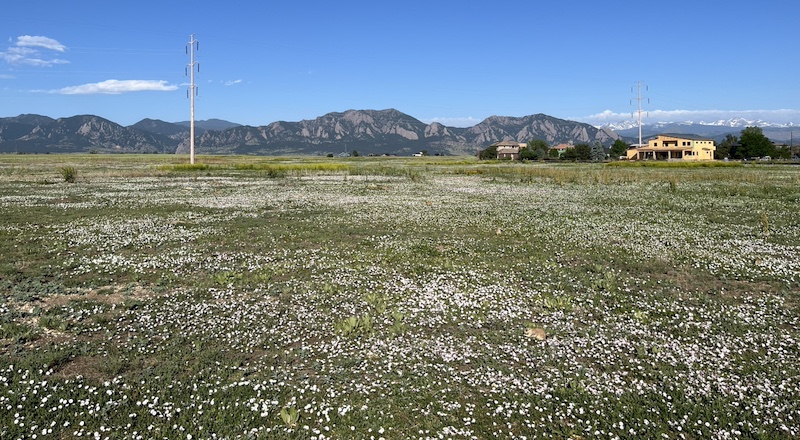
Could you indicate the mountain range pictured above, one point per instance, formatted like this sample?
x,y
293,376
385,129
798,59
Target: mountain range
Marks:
x,y
717,130
368,131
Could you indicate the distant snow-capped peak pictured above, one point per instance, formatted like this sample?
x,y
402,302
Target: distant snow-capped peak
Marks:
x,y
733,123
742,122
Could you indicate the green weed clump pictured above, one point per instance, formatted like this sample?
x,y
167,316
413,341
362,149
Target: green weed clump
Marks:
x,y
674,164
283,168
354,325
68,173
764,220
185,167
20,333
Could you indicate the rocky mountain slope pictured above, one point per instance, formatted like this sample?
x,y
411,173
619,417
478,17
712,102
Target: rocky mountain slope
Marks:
x,y
393,132
209,124
368,131
84,133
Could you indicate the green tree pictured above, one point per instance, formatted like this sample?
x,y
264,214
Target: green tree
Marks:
x,y
578,152
753,143
355,153
782,153
618,149
527,153
597,152
725,147
583,152
488,153
535,150
570,154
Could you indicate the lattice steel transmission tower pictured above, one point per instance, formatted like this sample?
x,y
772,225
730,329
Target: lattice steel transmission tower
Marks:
x,y
639,99
192,46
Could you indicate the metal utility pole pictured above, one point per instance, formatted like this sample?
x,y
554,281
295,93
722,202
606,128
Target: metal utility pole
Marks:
x,y
191,47
639,99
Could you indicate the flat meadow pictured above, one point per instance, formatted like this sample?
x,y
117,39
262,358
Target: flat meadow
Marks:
x,y
397,298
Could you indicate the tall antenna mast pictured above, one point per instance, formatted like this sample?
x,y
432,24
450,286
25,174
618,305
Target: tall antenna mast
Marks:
x,y
191,47
639,99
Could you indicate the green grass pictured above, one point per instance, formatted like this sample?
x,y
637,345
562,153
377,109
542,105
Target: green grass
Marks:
x,y
257,297
674,164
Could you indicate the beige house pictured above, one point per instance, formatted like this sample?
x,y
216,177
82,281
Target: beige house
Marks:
x,y
508,149
674,147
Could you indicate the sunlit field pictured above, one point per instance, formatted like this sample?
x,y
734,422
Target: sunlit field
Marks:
x,y
395,298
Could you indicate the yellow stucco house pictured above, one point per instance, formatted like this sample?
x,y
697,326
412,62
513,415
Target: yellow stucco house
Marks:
x,y
674,147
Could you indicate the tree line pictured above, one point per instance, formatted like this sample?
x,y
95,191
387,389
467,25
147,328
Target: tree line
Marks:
x,y
752,143
538,149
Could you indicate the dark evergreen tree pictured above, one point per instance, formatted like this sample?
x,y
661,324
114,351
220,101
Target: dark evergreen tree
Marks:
x,y
583,152
488,153
726,147
618,149
598,152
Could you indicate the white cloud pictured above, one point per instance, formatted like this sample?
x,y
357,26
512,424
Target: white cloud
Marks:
x,y
114,87
781,116
28,51
230,83
38,41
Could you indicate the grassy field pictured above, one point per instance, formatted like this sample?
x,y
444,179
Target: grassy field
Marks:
x,y
252,297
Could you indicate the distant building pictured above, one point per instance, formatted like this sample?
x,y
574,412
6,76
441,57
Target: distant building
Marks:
x,y
508,149
674,147
562,148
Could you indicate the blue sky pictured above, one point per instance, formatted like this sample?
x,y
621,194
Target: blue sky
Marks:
x,y
456,62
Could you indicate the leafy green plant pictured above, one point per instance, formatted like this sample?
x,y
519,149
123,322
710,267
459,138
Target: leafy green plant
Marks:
x,y
366,324
607,282
290,416
398,326
640,315
347,326
263,277
18,332
226,277
376,301
132,303
557,303
53,322
353,325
